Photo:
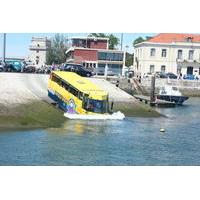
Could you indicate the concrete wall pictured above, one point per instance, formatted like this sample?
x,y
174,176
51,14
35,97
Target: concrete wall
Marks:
x,y
187,87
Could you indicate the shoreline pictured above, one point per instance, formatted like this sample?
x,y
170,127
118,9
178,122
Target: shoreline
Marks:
x,y
40,115
24,102
37,114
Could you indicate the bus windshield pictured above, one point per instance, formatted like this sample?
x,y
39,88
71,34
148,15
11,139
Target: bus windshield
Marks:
x,y
96,106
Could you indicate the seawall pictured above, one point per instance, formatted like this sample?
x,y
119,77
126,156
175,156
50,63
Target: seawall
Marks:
x,y
187,87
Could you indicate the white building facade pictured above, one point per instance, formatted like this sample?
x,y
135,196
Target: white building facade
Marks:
x,y
176,53
38,50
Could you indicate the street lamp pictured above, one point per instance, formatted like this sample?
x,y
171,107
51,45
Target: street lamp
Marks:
x,y
4,50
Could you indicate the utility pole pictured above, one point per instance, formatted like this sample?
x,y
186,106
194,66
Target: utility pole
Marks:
x,y
152,93
4,50
122,35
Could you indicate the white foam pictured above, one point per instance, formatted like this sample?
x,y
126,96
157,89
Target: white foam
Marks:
x,y
115,116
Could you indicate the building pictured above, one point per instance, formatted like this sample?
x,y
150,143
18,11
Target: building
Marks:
x,y
168,52
93,53
38,50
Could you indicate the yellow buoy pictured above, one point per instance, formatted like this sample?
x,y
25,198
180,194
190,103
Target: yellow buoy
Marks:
x,y
162,130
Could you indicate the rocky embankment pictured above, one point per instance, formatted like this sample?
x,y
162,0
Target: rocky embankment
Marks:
x,y
24,102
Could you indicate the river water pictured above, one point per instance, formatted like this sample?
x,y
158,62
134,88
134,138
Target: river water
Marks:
x,y
133,141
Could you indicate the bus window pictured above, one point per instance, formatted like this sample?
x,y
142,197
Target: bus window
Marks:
x,y
56,79
74,91
80,96
96,106
65,85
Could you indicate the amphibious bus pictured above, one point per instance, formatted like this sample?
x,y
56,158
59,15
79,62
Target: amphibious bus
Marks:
x,y
77,95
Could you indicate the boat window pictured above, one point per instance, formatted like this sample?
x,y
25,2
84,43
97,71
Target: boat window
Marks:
x,y
97,106
163,91
175,88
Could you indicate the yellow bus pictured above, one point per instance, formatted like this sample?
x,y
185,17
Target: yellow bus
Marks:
x,y
77,95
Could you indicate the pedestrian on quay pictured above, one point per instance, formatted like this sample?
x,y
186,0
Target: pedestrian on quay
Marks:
x,y
180,76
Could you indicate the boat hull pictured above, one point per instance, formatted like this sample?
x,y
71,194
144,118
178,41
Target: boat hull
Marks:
x,y
176,99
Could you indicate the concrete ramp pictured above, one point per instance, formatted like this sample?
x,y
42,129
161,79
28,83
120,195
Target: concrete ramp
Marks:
x,y
17,88
21,88
115,93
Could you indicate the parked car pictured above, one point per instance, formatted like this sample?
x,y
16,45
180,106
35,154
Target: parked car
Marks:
x,y
161,75
190,77
79,69
11,68
100,72
172,75
1,68
110,73
146,75
29,69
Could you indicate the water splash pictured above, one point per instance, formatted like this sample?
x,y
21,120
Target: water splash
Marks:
x,y
115,116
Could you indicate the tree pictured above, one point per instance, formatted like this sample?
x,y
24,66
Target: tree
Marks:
x,y
141,39
113,40
56,53
138,40
129,59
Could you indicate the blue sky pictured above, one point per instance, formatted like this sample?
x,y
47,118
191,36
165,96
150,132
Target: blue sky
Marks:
x,y
18,43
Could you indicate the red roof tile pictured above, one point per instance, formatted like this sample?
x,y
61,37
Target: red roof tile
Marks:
x,y
174,37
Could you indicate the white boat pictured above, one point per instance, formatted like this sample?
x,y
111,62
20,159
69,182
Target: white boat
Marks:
x,y
172,94
115,116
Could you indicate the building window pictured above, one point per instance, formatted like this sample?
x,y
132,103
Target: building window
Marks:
x,y
152,69
114,69
110,56
153,52
191,53
164,52
180,54
199,70
38,45
37,51
189,70
163,68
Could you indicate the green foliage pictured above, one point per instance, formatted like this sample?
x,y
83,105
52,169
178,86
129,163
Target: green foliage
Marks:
x,y
138,40
141,39
113,40
129,59
56,54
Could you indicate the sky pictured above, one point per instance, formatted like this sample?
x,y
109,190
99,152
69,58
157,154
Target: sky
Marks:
x,y
17,44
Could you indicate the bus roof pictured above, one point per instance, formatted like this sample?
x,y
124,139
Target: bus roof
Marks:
x,y
81,83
